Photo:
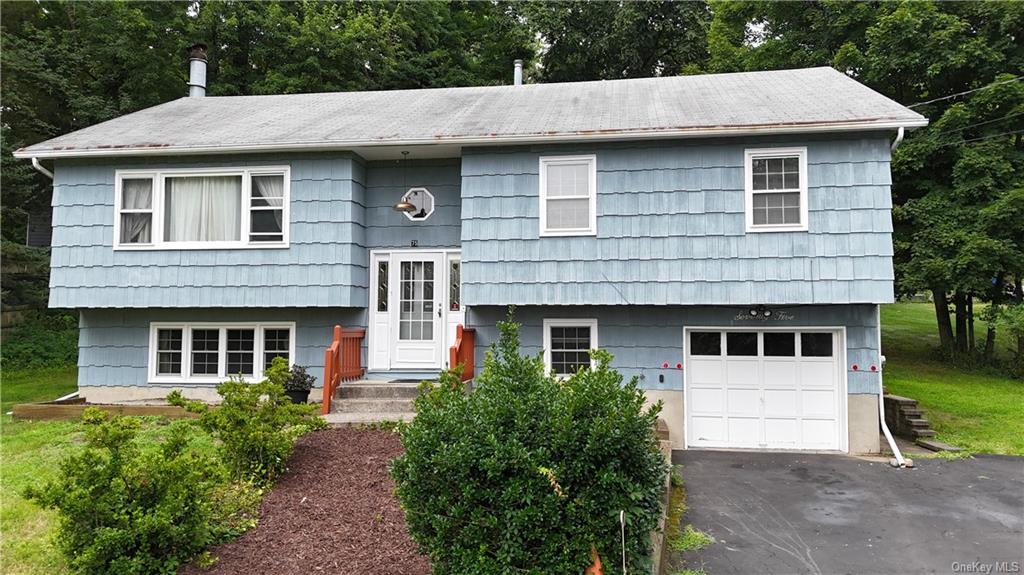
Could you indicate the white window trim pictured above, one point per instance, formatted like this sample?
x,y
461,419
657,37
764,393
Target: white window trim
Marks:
x,y
546,161
159,180
748,175
186,350
567,322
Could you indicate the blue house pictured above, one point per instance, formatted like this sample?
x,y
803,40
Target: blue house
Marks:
x,y
727,237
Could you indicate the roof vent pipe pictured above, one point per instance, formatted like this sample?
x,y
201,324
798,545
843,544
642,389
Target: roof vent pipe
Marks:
x,y
517,75
197,70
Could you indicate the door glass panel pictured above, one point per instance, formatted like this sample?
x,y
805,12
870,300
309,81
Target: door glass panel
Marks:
x,y
382,286
416,320
705,343
741,343
779,344
454,287
816,344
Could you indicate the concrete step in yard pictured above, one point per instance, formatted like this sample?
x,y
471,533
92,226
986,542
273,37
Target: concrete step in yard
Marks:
x,y
919,433
369,389
918,423
355,418
936,445
371,405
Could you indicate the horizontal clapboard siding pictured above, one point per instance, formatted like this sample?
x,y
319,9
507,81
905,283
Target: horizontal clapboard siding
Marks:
x,y
670,228
643,338
113,345
324,265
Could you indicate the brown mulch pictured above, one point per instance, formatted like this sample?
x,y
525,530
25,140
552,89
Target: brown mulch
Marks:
x,y
333,512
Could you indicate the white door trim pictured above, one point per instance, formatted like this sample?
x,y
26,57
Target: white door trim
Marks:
x,y
378,334
840,331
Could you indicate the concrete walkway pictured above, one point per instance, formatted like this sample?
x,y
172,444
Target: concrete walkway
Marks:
x,y
795,513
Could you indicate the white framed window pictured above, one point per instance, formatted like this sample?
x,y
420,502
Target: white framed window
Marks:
x,y
201,208
567,345
568,195
209,353
776,189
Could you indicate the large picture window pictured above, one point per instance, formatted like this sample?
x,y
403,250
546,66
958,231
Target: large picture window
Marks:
x,y
208,353
568,196
197,209
776,189
567,345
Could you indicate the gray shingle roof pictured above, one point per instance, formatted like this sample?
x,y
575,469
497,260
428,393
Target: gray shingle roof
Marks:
x,y
812,99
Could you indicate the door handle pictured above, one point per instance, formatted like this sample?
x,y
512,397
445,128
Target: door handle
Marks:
x,y
438,310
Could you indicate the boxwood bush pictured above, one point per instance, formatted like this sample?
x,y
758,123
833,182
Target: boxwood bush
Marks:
x,y
527,472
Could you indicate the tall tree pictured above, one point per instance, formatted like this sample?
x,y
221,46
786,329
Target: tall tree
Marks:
x,y
612,40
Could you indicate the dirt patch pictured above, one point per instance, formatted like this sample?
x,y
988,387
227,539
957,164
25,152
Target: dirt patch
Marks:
x,y
333,512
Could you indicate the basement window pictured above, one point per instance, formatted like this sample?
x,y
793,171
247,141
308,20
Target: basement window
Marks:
x,y
567,345
209,353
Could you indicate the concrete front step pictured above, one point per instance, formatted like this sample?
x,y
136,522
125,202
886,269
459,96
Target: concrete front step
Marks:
x,y
369,389
372,405
340,418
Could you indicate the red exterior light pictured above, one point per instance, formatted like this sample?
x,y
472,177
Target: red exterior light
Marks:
x,y
679,366
664,365
855,367
874,368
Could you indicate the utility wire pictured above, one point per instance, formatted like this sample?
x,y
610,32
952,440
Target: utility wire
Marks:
x,y
952,130
964,93
981,138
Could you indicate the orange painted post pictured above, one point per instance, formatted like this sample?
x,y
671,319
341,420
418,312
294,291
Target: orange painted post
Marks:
x,y
462,351
595,568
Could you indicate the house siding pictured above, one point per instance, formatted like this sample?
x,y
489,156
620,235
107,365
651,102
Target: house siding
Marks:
x,y
324,265
113,345
387,181
671,228
643,338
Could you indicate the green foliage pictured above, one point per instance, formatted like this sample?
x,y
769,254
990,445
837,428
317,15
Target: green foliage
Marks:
x,y
125,510
298,378
256,423
527,472
613,40
691,539
43,339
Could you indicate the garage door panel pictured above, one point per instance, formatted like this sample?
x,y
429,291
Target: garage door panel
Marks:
x,y
781,402
780,373
818,404
704,371
744,431
741,372
819,433
817,374
743,402
707,401
707,429
781,433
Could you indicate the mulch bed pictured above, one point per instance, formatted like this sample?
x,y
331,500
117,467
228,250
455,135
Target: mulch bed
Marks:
x,y
333,512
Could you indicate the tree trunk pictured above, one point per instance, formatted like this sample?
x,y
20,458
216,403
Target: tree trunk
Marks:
x,y
970,323
942,317
960,305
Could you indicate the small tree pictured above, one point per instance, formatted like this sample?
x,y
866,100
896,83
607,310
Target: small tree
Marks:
x,y
528,472
256,422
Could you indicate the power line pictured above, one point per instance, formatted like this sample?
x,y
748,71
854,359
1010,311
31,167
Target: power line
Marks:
x,y
993,136
964,93
953,130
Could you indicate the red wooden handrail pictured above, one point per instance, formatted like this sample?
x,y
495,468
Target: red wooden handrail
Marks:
x,y
462,352
342,362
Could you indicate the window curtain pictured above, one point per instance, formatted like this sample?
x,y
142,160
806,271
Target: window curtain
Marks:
x,y
269,191
137,228
203,209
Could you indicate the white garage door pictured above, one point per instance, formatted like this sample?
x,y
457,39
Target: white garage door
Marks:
x,y
770,389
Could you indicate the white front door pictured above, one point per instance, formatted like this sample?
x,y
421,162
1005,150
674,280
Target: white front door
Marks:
x,y
417,325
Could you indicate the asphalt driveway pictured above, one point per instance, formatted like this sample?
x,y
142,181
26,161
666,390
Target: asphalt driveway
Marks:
x,y
794,513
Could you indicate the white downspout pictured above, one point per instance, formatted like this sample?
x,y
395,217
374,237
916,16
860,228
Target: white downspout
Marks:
x,y
898,141
900,462
39,167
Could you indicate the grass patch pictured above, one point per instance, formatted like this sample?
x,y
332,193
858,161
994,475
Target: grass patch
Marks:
x,y
691,539
34,385
979,411
31,453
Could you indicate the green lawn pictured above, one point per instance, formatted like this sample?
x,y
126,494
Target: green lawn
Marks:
x,y
979,411
31,385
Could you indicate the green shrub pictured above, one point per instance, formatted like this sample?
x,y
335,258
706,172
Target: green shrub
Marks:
x,y
527,472
126,510
42,339
256,423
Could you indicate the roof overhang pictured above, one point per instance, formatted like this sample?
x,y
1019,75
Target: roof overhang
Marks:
x,y
457,142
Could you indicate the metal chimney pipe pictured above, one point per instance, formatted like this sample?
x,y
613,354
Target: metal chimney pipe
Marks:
x,y
197,70
517,75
